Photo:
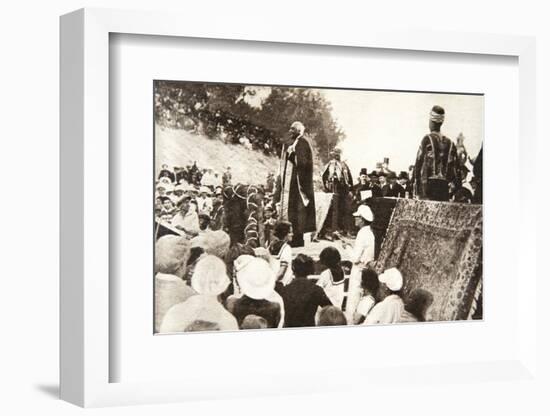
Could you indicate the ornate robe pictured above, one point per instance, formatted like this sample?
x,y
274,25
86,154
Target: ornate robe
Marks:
x,y
435,167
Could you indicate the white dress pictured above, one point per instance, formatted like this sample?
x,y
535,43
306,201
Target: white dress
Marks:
x,y
388,311
284,257
337,292
360,255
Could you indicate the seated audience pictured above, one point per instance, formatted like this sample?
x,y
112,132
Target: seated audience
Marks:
x,y
369,286
209,281
333,279
417,305
302,297
282,252
254,322
256,281
186,219
388,311
171,254
331,316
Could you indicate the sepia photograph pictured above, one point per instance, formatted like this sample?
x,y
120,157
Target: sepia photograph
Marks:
x,y
297,207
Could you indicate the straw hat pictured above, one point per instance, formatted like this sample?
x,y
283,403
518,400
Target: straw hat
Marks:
x,y
171,253
255,277
210,276
213,242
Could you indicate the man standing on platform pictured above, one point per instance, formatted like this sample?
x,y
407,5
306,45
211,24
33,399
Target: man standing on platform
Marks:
x,y
392,188
435,167
294,193
337,179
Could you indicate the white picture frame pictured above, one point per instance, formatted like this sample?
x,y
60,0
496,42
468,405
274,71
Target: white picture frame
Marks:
x,y
85,259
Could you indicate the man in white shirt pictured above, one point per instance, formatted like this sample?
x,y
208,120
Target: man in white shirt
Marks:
x,y
388,311
360,255
187,219
204,202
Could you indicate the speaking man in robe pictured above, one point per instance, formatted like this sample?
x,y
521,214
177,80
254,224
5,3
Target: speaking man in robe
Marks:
x,y
294,192
436,160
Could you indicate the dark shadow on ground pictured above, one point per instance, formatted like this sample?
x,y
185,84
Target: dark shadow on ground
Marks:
x,y
51,390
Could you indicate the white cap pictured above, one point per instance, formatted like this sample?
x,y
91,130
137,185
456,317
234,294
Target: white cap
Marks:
x,y
392,278
365,212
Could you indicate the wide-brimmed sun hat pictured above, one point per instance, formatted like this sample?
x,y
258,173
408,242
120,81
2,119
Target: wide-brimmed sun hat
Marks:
x,y
210,276
213,242
255,277
171,253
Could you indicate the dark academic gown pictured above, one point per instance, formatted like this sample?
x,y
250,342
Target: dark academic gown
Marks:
x,y
294,183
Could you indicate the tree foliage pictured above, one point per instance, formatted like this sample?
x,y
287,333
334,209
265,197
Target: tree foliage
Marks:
x,y
276,112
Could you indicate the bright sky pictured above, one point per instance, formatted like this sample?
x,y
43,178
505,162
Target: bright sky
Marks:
x,y
391,124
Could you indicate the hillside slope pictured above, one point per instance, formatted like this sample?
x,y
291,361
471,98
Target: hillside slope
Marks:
x,y
177,147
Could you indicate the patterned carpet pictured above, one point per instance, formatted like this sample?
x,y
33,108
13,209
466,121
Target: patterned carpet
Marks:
x,y
438,247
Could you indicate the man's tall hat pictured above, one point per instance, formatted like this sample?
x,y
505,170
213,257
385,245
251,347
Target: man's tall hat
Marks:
x,y
403,175
363,172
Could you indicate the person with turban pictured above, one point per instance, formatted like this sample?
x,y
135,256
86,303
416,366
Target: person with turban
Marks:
x,y
436,160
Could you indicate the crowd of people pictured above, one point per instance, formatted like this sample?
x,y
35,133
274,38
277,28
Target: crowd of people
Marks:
x,y
203,284
172,110
190,199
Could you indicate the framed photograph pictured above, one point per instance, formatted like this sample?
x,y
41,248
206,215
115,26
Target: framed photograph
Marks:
x,y
227,198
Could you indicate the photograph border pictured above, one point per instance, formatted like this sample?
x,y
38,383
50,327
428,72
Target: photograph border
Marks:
x,y
84,183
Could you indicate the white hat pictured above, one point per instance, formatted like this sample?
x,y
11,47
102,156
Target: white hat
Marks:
x,y
165,179
171,253
204,189
392,278
180,187
365,212
210,276
255,277
213,242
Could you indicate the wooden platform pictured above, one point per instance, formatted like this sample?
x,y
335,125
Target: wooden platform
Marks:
x,y
314,249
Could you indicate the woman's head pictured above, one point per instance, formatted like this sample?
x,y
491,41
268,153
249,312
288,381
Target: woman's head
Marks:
x,y
204,221
253,322
363,216
167,203
331,316
369,281
330,257
418,303
171,254
392,280
210,276
199,325
303,266
283,231
255,277
213,242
